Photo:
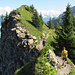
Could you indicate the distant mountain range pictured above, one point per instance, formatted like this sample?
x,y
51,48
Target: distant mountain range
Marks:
x,y
46,19
58,19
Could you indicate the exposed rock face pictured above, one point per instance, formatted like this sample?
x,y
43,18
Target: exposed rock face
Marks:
x,y
15,45
54,58
39,47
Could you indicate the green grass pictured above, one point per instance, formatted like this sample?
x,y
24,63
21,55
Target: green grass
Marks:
x,y
37,64
28,69
43,59
72,66
26,21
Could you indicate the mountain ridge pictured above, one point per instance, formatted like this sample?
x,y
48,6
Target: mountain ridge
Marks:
x,y
57,18
19,41
21,46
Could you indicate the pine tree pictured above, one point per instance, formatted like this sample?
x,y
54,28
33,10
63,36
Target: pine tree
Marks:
x,y
2,19
32,8
36,20
65,37
57,27
41,18
6,19
51,26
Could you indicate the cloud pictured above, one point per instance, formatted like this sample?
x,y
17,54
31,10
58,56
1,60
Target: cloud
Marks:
x,y
50,13
3,10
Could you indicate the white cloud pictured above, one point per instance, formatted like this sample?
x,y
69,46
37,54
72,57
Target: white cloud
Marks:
x,y
3,10
50,13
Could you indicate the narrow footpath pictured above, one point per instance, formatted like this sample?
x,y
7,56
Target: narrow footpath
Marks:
x,y
63,70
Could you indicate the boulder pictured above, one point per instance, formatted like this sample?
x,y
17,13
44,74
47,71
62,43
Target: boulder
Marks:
x,y
36,41
13,29
17,31
21,35
30,41
47,63
33,37
23,30
17,24
39,47
52,56
19,27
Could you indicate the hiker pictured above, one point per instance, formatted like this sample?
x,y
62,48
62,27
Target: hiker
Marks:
x,y
44,42
64,56
41,36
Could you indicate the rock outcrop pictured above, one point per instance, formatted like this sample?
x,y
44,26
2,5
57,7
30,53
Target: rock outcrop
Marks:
x,y
15,47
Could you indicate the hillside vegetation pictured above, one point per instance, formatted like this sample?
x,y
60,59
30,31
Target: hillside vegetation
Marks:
x,y
20,25
26,21
59,20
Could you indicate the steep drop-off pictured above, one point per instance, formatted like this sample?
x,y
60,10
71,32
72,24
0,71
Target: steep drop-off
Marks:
x,y
18,41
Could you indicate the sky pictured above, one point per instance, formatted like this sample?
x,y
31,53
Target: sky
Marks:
x,y
52,8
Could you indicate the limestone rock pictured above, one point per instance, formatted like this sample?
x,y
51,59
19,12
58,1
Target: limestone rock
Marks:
x,y
30,41
17,24
19,28
47,63
13,29
21,35
52,56
39,47
14,50
36,41
33,37
17,31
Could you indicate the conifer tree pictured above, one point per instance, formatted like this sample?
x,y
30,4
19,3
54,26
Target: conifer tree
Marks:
x,y
41,19
6,19
2,19
32,8
36,20
57,26
65,37
51,26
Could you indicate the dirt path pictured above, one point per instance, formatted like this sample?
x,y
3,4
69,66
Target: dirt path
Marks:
x,y
46,38
63,70
48,34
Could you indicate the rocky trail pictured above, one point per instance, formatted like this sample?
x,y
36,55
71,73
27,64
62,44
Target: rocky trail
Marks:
x,y
57,63
46,38
22,54
63,70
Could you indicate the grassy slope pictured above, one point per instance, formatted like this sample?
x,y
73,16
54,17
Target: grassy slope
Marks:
x,y
72,66
26,22
36,64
